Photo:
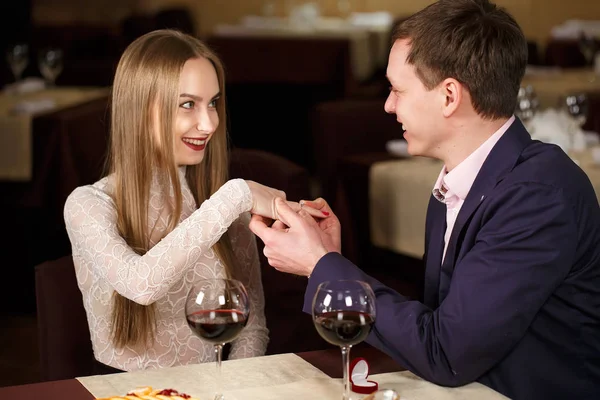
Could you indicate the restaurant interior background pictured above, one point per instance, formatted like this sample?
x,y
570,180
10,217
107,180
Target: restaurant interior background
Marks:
x,y
94,33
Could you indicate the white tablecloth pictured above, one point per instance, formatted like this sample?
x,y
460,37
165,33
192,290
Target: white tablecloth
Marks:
x,y
399,193
277,377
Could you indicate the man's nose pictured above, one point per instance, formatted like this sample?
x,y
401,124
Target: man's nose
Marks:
x,y
390,105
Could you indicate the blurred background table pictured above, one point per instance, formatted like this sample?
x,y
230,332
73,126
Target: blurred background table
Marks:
x,y
45,156
399,194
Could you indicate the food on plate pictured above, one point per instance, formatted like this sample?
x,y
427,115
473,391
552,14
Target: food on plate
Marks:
x,y
147,393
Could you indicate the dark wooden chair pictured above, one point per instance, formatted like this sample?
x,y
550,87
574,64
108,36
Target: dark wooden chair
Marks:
x,y
63,333
175,18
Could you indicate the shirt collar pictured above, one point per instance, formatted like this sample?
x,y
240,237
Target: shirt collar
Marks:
x,y
459,181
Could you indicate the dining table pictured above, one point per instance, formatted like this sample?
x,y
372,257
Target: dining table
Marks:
x,y
305,375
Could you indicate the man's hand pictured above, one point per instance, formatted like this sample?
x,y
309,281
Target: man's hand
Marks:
x,y
296,243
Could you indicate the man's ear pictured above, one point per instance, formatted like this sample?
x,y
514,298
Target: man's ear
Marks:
x,y
452,92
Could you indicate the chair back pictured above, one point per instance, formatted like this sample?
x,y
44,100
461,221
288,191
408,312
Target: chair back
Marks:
x,y
178,18
63,334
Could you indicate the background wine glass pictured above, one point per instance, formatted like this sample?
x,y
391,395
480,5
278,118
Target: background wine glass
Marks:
x,y
17,57
576,106
527,105
217,310
588,47
50,63
344,314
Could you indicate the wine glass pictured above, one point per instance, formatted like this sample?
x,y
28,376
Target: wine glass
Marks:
x,y
343,314
18,58
576,106
527,105
217,310
588,47
50,63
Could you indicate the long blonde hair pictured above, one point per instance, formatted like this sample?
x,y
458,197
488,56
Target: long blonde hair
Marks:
x,y
146,80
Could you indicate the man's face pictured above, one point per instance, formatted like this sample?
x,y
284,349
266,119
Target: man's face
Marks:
x,y
418,110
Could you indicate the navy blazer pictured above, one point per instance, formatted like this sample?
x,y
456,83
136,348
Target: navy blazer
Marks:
x,y
516,303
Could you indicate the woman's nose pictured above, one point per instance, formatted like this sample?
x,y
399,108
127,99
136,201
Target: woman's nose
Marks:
x,y
205,123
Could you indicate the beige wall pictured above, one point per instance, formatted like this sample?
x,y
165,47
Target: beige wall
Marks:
x,y
536,17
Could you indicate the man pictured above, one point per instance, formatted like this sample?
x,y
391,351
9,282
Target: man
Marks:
x,y
512,247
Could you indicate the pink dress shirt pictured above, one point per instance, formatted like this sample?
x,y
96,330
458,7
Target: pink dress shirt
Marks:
x,y
452,188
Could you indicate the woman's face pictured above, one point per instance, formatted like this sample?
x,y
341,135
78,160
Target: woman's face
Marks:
x,y
196,119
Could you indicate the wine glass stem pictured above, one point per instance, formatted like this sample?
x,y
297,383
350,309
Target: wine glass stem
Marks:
x,y
219,353
346,376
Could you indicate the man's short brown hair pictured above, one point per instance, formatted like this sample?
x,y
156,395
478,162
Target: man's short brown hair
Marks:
x,y
474,42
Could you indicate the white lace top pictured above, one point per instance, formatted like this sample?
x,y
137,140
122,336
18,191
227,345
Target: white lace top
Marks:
x,y
105,263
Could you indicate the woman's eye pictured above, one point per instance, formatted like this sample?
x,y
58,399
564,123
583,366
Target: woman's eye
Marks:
x,y
188,105
213,103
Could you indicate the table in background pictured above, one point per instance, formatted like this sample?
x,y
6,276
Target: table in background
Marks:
x,y
552,84
399,194
296,70
18,128
67,149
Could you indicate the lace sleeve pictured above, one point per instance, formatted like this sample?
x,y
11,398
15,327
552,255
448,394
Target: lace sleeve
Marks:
x,y
90,218
254,338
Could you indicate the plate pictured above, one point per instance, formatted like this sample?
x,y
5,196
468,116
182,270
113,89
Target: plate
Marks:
x,y
397,147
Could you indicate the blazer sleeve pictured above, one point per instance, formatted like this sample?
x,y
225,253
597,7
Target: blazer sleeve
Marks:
x,y
524,248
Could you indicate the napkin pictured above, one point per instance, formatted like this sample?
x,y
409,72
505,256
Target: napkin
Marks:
x,y
574,28
371,19
305,16
27,85
557,127
33,106
397,147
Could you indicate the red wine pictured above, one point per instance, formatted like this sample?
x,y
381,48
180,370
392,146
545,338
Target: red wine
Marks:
x,y
344,327
217,326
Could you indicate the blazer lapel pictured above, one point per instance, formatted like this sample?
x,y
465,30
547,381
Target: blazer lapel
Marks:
x,y
499,162
434,247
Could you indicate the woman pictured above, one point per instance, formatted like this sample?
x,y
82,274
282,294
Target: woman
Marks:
x,y
166,216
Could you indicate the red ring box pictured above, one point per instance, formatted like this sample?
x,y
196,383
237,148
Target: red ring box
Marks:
x,y
359,371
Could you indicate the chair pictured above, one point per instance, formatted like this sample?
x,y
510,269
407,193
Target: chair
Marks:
x,y
271,170
64,338
345,127
533,53
175,18
301,70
